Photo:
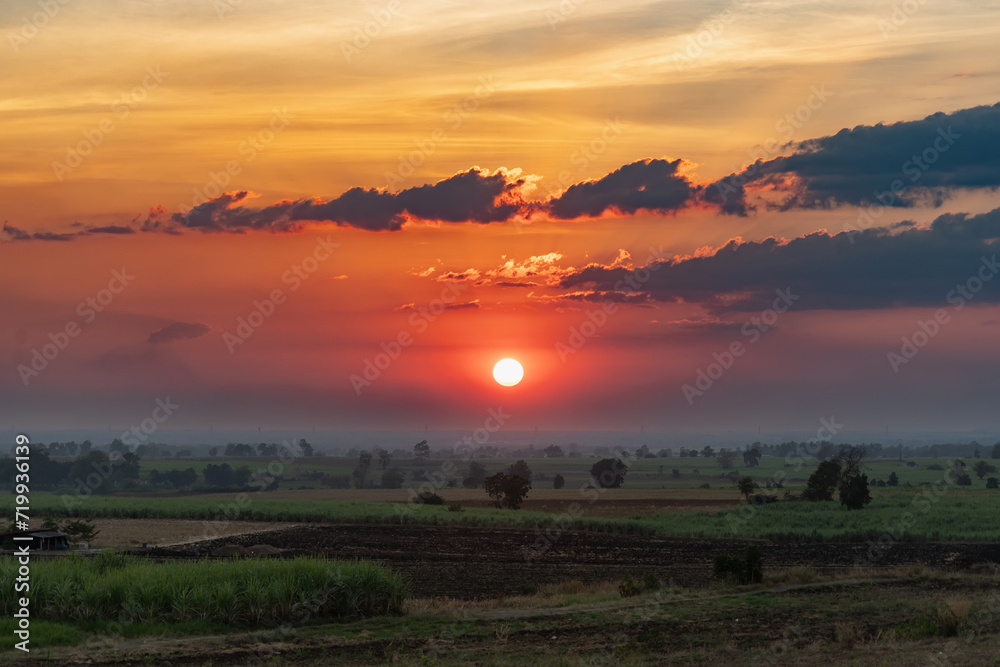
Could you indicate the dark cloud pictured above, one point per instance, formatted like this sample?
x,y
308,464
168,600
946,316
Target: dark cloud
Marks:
x,y
178,331
471,196
874,268
461,305
15,234
651,184
599,296
924,161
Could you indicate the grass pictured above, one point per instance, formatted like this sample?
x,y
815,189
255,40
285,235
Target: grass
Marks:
x,y
905,514
238,593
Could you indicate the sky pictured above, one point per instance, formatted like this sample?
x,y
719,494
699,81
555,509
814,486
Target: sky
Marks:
x,y
676,215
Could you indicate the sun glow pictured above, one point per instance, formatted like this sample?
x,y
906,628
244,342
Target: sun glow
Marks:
x,y
508,372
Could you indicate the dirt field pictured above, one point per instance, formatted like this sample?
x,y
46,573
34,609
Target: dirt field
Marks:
x,y
468,563
132,533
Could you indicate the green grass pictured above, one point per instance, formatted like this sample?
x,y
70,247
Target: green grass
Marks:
x,y
234,593
908,514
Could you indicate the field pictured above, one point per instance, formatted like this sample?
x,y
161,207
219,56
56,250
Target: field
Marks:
x,y
869,587
643,473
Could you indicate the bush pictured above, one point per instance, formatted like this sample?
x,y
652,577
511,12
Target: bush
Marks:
x,y
993,483
609,473
963,480
429,498
455,507
675,472
745,569
558,482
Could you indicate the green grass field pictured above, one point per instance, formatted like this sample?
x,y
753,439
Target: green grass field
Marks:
x,y
233,593
905,513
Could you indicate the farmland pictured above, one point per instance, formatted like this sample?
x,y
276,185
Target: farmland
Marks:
x,y
480,579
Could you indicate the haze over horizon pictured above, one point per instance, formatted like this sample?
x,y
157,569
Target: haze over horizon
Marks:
x,y
694,217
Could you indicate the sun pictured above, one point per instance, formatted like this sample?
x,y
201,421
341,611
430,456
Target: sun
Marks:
x,y
508,372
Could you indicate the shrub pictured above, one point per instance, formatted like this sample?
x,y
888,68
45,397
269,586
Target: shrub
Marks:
x,y
993,483
609,473
455,507
429,498
558,482
892,481
675,472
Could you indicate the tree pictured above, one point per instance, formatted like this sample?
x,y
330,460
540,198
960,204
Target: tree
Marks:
x,y
725,458
553,451
708,452
993,483
80,530
384,459
214,451
422,450
218,475
392,479
995,454
364,465
241,476
843,473
507,490
521,469
893,479
982,468
823,481
117,446
558,482
751,457
746,485
854,492
305,447
609,473
477,473
130,465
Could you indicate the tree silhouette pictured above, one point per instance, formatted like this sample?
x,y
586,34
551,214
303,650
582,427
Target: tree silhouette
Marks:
x,y
422,450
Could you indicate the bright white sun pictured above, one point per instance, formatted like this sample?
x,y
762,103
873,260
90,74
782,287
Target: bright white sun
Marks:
x,y
508,372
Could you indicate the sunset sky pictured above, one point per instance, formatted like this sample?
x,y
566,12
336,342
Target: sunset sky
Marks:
x,y
618,195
